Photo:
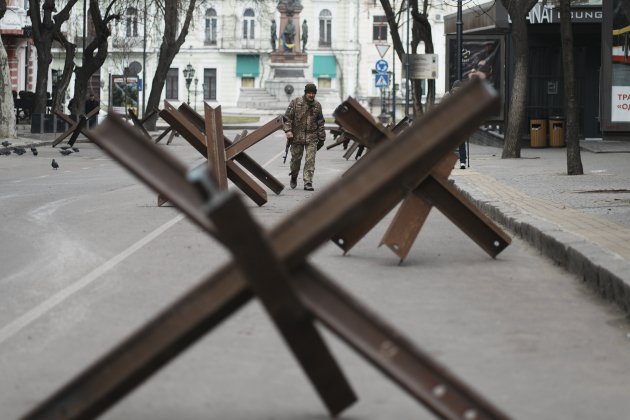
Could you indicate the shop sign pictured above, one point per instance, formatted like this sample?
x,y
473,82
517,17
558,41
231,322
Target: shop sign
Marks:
x,y
541,14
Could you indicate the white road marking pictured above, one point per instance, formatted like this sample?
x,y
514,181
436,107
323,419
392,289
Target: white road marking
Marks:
x,y
25,320
31,316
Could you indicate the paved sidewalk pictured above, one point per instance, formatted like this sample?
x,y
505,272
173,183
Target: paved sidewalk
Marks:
x,y
581,222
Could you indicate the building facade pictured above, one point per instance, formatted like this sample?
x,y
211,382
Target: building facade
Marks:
x,y
229,46
601,34
16,38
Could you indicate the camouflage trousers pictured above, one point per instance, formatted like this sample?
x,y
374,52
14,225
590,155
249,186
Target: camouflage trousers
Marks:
x,y
297,150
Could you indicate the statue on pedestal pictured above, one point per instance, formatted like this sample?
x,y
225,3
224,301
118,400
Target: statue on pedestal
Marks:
x,y
304,35
290,5
274,30
288,36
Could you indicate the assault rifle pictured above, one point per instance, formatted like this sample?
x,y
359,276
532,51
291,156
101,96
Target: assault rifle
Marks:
x,y
286,151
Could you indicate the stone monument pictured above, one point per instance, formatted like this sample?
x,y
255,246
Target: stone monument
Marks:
x,y
288,62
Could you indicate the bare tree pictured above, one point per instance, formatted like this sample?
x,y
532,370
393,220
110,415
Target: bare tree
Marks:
x,y
574,160
44,28
95,52
171,43
518,10
421,32
7,112
68,68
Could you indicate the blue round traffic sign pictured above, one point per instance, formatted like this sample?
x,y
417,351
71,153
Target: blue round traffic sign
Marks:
x,y
381,66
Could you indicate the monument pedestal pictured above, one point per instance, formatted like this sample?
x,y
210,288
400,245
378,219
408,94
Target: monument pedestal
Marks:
x,y
289,64
287,77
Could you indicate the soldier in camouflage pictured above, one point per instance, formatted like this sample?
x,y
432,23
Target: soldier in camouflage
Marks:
x,y
304,127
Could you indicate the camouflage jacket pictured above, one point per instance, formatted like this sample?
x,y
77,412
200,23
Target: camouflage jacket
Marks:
x,y
304,121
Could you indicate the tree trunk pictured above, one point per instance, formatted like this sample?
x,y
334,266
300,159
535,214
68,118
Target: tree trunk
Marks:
x,y
171,42
44,28
68,67
7,111
95,53
44,58
516,114
574,160
159,80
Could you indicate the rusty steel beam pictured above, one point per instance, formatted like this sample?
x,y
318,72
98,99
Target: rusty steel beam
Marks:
x,y
446,198
341,138
257,170
361,125
76,127
189,128
139,124
246,183
251,139
164,133
291,241
412,214
351,150
215,149
270,282
439,390
242,158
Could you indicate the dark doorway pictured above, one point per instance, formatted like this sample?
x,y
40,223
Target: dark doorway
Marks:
x,y
545,98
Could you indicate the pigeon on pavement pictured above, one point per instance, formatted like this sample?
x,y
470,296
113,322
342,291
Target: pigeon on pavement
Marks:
x,y
19,151
54,164
6,143
5,152
75,149
34,150
65,152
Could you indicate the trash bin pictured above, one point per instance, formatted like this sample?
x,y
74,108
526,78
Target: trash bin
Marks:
x,y
556,132
538,133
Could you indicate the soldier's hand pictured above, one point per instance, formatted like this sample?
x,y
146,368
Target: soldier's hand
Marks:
x,y
289,135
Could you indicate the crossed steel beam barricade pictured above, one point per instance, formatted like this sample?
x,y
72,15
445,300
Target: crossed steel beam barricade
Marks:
x,y
75,127
343,136
206,136
164,133
339,136
272,265
434,190
139,123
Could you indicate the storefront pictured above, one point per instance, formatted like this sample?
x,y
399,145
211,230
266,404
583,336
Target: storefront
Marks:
x,y
616,69
604,102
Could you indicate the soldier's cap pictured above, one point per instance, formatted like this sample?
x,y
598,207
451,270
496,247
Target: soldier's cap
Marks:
x,y
310,88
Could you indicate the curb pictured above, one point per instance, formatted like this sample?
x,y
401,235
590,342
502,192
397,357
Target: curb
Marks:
x,y
603,271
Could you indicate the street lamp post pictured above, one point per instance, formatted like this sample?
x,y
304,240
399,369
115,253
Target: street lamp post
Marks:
x,y
189,74
196,83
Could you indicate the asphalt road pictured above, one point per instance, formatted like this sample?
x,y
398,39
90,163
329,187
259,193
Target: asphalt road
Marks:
x,y
87,258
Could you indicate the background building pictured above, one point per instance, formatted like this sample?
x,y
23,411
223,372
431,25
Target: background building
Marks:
x,y
229,47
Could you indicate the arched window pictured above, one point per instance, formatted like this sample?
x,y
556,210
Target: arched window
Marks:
x,y
325,28
211,27
248,24
132,21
